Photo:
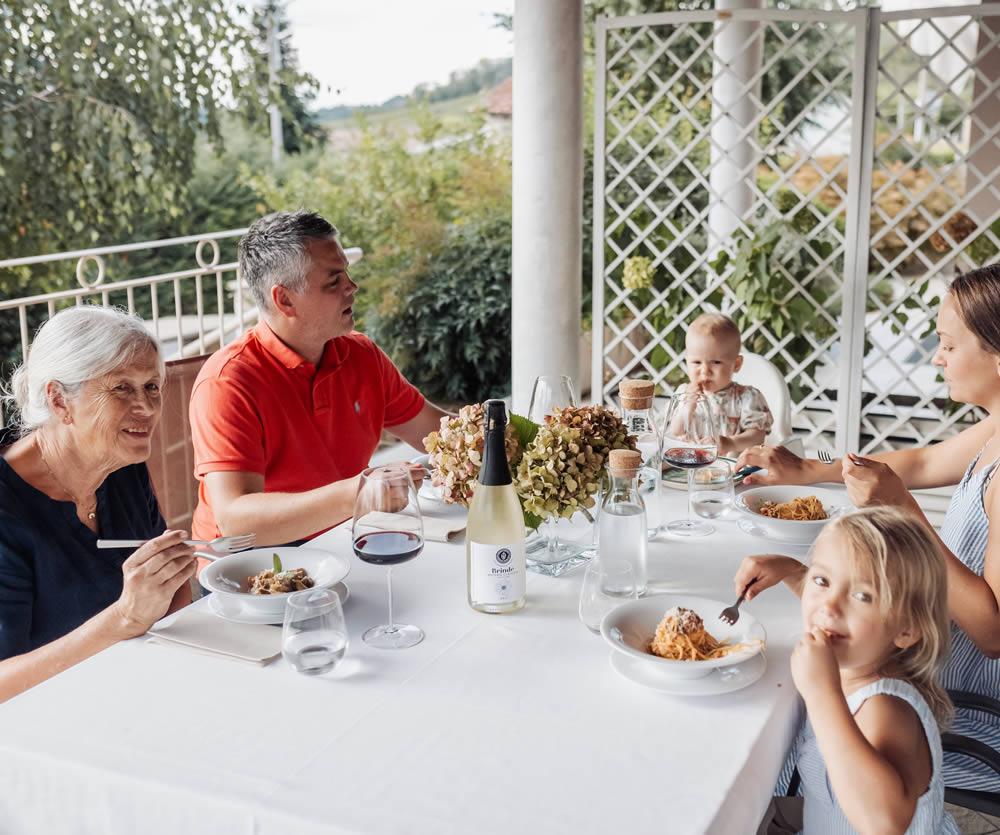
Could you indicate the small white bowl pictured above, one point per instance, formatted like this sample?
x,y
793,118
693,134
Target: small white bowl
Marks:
x,y
227,576
630,627
790,530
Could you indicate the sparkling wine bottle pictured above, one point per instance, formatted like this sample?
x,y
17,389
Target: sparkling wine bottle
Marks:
x,y
495,530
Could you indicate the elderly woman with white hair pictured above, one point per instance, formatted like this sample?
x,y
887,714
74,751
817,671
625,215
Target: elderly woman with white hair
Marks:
x,y
88,400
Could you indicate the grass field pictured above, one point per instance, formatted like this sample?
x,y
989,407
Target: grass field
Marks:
x,y
403,118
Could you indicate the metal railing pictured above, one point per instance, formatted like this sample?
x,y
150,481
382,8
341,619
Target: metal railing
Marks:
x,y
191,310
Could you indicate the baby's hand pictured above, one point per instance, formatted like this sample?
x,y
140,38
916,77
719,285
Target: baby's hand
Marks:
x,y
814,665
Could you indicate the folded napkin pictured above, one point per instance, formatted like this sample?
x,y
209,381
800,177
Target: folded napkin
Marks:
x,y
197,628
436,528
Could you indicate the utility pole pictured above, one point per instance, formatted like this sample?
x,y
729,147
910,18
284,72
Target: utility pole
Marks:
x,y
273,69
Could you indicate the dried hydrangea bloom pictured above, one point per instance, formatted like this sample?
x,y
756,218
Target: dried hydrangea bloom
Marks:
x,y
559,473
456,453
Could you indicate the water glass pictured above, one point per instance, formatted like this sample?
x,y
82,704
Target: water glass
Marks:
x,y
712,489
606,584
314,633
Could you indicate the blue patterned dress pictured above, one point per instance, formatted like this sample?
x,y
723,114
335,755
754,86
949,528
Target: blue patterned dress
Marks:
x,y
965,531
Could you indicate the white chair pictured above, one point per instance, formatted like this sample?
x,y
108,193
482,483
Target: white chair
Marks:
x,y
762,374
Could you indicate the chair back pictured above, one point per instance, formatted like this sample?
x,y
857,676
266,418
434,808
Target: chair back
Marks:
x,y
762,374
171,464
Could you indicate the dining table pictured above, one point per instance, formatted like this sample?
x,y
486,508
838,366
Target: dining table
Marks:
x,y
492,724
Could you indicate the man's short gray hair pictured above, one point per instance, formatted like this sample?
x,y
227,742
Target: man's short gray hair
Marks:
x,y
75,346
273,252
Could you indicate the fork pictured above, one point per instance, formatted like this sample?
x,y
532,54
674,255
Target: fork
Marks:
x,y
731,614
824,456
221,544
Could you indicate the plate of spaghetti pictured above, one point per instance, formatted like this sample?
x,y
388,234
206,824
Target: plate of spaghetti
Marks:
x,y
791,514
680,636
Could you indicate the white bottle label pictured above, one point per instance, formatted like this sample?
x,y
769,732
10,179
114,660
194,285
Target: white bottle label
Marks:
x,y
497,572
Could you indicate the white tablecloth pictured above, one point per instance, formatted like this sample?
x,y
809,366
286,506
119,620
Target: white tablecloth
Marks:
x,y
493,724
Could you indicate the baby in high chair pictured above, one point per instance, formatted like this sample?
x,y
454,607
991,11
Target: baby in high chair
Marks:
x,y
713,355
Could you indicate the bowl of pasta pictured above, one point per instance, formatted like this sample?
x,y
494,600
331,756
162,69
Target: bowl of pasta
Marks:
x,y
790,513
682,636
259,581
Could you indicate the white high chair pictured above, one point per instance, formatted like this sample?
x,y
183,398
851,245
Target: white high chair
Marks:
x,y
762,374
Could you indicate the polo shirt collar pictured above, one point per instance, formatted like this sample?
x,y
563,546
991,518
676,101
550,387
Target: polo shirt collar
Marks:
x,y
334,352
278,349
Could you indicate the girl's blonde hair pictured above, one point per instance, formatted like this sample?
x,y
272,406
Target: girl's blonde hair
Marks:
x,y
907,570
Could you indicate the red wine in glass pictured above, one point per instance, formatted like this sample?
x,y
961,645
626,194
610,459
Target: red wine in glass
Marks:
x,y
689,458
388,547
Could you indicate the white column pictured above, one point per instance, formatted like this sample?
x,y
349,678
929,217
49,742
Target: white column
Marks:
x,y
738,48
980,173
547,192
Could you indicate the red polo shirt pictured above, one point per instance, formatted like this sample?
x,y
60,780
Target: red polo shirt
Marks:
x,y
258,407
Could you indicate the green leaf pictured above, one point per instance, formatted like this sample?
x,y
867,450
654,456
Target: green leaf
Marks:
x,y
525,429
277,564
531,522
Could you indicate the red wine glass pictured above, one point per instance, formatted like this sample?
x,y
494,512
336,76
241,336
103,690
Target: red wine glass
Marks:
x,y
690,441
387,529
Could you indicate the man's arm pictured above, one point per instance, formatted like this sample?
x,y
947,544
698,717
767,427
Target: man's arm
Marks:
x,y
241,506
413,432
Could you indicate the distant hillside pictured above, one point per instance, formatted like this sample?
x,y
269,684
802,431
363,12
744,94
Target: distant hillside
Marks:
x,y
484,76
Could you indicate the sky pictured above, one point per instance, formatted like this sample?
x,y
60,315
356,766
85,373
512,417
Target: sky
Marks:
x,y
366,51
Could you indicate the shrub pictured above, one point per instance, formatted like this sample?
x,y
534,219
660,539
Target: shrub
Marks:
x,y
451,336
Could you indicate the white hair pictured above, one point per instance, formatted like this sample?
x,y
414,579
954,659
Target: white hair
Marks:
x,y
74,346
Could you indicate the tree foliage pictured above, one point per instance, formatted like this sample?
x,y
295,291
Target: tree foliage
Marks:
x,y
294,91
100,105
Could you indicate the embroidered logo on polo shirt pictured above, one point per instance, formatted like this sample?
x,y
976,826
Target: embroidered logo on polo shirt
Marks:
x,y
357,408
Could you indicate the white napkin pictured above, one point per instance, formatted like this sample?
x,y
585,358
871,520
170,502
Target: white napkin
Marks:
x,y
195,627
436,528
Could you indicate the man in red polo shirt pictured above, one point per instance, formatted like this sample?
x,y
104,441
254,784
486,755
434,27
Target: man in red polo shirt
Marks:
x,y
285,419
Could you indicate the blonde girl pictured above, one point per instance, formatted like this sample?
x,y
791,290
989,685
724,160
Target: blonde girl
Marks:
x,y
875,637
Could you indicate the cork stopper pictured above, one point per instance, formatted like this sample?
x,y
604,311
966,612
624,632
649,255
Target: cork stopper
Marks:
x,y
624,463
636,394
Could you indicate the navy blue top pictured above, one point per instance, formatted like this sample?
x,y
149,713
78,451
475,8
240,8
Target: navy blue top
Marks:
x,y
52,577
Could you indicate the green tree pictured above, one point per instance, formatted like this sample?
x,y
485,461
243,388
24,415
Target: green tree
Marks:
x,y
295,89
100,105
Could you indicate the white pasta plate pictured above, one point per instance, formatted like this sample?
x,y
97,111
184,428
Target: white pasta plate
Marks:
x,y
227,576
749,501
630,627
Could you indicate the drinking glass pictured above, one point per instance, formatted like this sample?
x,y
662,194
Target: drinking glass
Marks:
x,y
713,489
549,393
606,584
555,548
690,440
314,634
387,529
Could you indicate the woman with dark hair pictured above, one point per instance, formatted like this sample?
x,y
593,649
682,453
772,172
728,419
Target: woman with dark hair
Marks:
x,y
968,327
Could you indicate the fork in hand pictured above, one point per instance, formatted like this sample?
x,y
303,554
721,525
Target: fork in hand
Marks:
x,y
220,545
731,614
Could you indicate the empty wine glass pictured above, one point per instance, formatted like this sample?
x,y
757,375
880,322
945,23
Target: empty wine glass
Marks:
x,y
690,440
314,634
713,489
547,552
387,529
606,584
549,393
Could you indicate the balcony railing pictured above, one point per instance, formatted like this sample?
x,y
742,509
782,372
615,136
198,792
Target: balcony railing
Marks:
x,y
190,308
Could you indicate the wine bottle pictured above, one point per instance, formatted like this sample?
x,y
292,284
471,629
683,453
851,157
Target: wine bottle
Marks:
x,y
495,530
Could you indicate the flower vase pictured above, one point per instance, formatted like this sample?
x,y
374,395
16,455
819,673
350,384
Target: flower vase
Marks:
x,y
560,545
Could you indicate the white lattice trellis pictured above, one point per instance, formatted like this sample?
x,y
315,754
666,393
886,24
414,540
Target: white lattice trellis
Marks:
x,y
653,191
